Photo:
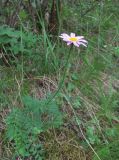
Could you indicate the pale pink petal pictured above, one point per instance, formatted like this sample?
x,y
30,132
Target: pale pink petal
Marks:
x,y
61,36
76,44
68,43
66,39
79,37
64,35
83,40
72,34
80,43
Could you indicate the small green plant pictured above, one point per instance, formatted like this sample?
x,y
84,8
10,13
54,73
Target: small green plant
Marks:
x,y
109,151
25,124
17,42
19,47
92,136
23,48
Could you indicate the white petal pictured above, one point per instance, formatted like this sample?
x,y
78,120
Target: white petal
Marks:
x,y
76,44
66,39
68,43
79,37
72,34
65,35
82,44
61,36
83,40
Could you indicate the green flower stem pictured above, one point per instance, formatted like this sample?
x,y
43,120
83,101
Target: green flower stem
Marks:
x,y
63,77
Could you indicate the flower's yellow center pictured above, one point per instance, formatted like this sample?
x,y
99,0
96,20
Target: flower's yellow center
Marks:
x,y
74,39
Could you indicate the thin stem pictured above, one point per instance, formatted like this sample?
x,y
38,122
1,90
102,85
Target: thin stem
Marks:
x,y
63,78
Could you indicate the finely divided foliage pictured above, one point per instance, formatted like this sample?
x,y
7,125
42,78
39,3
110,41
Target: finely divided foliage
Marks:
x,y
25,124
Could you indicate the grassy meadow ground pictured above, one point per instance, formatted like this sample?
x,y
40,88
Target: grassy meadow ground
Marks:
x,y
53,111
